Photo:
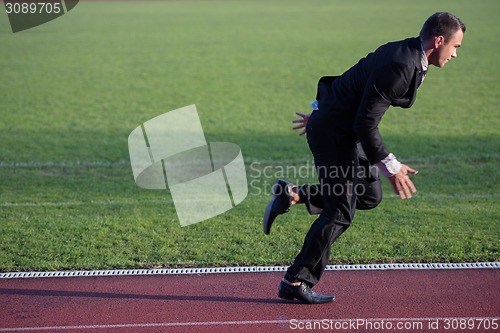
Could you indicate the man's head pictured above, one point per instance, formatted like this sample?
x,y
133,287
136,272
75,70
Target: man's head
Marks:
x,y
441,35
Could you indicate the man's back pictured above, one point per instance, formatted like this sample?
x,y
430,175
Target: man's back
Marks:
x,y
357,100
402,56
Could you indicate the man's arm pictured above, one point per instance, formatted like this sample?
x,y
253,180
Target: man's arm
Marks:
x,y
385,85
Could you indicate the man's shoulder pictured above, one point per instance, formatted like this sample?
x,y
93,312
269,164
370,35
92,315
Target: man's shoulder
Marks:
x,y
408,46
410,42
400,53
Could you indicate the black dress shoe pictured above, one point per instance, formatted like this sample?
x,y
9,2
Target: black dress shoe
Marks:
x,y
303,293
279,204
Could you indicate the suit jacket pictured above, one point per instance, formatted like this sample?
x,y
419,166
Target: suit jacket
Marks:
x,y
357,100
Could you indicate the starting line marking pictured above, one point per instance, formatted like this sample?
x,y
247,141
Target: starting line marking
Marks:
x,y
253,269
359,322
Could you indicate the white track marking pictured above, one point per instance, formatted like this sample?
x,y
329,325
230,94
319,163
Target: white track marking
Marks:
x,y
281,322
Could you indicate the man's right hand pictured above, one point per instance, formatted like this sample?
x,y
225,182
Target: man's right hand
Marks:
x,y
302,122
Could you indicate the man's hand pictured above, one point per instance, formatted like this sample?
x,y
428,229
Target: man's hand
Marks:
x,y
302,122
402,184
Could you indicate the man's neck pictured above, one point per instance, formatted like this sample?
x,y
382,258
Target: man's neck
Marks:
x,y
426,52
426,49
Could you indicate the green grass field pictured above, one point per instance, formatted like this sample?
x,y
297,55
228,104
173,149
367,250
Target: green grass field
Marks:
x,y
73,89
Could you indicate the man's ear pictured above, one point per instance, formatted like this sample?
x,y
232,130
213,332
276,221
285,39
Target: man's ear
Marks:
x,y
438,41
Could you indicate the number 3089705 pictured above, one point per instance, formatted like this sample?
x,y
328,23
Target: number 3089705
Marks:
x,y
33,8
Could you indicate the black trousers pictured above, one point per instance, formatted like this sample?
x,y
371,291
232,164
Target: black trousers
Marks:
x,y
346,182
368,194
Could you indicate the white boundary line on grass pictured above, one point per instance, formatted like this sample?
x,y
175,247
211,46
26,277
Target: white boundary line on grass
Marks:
x,y
349,323
153,201
252,269
82,203
64,164
248,161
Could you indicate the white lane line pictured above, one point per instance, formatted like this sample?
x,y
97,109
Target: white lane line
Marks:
x,y
480,323
144,325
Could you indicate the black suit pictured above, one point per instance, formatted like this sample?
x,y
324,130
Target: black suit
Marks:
x,y
350,109
360,97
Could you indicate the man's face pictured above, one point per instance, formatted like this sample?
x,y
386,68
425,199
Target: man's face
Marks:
x,y
446,49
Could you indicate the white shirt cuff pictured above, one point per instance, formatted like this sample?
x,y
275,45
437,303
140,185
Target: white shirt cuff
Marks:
x,y
389,165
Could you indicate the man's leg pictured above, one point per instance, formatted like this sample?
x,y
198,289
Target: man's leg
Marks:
x,y
335,218
311,262
336,162
368,188
368,193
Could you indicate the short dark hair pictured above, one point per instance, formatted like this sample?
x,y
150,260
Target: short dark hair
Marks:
x,y
441,24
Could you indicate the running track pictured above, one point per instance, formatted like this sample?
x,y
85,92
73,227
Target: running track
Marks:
x,y
429,300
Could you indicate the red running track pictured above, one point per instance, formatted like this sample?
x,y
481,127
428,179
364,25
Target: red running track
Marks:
x,y
448,300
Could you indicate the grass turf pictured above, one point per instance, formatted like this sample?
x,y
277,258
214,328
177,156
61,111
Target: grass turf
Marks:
x,y
73,89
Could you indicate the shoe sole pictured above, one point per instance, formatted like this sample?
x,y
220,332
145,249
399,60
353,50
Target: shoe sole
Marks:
x,y
270,204
287,297
291,298
267,213
274,189
284,295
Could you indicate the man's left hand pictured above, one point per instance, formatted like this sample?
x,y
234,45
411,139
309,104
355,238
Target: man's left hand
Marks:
x,y
402,184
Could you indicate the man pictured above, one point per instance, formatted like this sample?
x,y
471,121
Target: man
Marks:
x,y
350,108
